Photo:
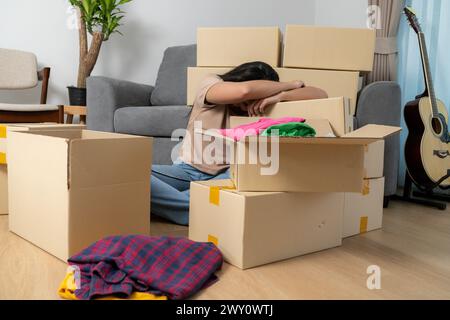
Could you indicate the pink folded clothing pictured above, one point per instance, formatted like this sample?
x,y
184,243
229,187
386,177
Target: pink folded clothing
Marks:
x,y
256,128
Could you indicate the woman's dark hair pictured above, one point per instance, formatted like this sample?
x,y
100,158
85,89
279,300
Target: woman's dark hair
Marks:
x,y
251,71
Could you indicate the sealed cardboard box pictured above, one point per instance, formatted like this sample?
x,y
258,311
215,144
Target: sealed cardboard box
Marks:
x,y
230,47
335,83
3,173
4,129
329,48
253,229
3,189
296,164
70,188
364,212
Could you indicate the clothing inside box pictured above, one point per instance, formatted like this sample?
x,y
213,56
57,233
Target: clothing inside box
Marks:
x,y
322,127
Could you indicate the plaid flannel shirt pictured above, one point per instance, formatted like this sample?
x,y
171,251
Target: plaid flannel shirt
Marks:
x,y
167,266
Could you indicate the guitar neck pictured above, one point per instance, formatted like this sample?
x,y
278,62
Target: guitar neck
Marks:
x,y
427,73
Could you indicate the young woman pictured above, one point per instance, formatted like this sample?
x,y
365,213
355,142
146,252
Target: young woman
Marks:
x,y
246,90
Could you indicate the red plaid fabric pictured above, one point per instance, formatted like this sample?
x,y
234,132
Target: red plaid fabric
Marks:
x,y
172,267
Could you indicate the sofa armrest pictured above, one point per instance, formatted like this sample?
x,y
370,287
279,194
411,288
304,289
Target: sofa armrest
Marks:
x,y
106,95
380,103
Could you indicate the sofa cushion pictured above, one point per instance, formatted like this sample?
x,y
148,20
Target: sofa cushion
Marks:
x,y
171,83
151,121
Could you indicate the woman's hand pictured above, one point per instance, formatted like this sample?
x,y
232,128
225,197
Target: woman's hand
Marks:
x,y
258,107
297,84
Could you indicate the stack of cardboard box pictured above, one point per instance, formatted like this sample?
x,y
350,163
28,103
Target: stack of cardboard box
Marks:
x,y
323,189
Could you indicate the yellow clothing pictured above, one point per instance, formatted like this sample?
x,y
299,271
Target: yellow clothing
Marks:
x,y
67,291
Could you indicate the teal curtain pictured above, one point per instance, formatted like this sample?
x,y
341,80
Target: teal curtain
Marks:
x,y
434,16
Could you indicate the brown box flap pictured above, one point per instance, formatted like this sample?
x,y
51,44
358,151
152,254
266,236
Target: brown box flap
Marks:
x,y
373,131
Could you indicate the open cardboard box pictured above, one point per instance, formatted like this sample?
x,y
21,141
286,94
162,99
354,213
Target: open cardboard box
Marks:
x,y
9,127
70,188
320,164
256,228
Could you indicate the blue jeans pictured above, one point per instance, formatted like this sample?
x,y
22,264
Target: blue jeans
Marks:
x,y
170,190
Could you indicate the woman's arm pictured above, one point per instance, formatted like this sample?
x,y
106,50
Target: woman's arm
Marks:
x,y
307,93
237,92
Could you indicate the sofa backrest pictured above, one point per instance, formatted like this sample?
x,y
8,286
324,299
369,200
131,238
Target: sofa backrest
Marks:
x,y
171,83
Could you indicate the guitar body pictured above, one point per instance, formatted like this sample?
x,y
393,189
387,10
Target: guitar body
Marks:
x,y
427,155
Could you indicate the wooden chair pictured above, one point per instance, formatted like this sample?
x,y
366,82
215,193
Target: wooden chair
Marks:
x,y
18,70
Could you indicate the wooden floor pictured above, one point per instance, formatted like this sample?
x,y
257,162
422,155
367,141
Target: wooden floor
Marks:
x,y
413,252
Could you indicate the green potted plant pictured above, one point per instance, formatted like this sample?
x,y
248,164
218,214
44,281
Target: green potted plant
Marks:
x,y
101,18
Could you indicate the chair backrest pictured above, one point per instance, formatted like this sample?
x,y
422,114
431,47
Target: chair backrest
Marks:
x,y
18,69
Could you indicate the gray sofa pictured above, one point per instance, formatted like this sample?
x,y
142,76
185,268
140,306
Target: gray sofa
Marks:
x,y
156,111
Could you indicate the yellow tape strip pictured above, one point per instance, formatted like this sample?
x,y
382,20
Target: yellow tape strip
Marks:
x,y
366,188
3,130
2,158
364,222
214,194
214,240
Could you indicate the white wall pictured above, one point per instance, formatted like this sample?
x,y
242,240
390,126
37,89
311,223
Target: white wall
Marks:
x,y
149,27
341,13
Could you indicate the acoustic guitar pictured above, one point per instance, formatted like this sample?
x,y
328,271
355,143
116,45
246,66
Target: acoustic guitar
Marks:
x,y
427,150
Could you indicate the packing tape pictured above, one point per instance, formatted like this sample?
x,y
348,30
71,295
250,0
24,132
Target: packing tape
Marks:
x,y
2,158
366,188
214,194
363,223
214,240
3,130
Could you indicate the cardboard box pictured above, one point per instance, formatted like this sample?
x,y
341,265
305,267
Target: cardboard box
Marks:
x,y
329,48
374,160
4,129
68,189
3,189
335,110
335,83
230,47
9,127
253,229
364,212
320,164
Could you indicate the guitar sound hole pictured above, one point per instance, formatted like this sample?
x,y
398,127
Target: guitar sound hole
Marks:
x,y
436,125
